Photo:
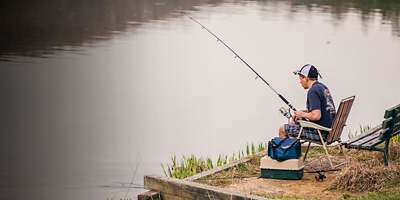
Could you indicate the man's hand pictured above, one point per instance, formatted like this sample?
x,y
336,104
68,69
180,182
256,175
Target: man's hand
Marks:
x,y
298,114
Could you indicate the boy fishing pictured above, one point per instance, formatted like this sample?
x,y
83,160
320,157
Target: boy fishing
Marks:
x,y
320,106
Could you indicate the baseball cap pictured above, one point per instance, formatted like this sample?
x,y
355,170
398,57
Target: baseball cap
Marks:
x,y
307,70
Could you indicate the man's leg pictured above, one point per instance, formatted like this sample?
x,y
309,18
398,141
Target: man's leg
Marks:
x,y
289,130
282,132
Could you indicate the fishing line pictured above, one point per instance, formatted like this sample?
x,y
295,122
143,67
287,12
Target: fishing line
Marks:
x,y
237,56
138,159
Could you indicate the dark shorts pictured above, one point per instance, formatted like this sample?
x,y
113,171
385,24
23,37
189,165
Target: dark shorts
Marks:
x,y
308,133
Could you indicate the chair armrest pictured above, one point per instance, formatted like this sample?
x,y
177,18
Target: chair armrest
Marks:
x,y
304,123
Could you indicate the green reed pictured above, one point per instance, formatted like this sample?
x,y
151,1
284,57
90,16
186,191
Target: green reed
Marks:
x,y
191,165
362,130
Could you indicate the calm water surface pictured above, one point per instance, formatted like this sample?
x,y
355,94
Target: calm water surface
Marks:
x,y
90,90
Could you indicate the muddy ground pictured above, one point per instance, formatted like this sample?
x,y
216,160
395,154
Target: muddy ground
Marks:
x,y
306,188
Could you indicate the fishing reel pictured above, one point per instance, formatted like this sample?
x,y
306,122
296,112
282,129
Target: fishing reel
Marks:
x,y
286,112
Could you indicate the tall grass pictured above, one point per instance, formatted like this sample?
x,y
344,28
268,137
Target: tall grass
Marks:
x,y
355,133
191,165
365,171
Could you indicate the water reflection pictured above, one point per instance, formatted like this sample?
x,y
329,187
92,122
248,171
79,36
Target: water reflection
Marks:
x,y
104,80
45,27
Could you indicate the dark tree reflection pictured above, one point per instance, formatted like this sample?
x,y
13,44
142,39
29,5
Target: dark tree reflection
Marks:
x,y
39,28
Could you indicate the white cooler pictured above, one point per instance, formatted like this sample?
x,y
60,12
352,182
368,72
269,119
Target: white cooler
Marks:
x,y
292,169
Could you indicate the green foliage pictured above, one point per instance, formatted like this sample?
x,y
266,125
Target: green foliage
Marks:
x,y
189,166
362,130
396,138
261,147
247,149
386,194
278,196
346,196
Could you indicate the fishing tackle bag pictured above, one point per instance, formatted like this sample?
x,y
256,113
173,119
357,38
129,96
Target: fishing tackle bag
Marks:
x,y
284,148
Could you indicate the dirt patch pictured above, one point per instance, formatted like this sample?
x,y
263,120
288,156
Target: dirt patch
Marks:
x,y
360,172
309,187
245,178
306,188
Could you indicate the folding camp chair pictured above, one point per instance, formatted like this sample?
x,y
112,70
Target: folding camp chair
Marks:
x,y
335,131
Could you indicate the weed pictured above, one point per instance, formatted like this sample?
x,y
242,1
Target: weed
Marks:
x,y
394,194
192,165
278,196
362,130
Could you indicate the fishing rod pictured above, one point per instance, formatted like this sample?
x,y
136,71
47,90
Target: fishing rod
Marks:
x,y
237,56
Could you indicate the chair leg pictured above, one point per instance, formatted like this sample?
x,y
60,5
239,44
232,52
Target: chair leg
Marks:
x,y
305,155
326,150
300,132
342,149
344,155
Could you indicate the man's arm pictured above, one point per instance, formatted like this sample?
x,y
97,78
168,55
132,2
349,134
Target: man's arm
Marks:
x,y
314,115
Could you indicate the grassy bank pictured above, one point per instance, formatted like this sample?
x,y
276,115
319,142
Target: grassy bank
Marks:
x,y
191,165
363,177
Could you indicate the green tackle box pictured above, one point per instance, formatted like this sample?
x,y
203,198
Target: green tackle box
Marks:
x,y
292,169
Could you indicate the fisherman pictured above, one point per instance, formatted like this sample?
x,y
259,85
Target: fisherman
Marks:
x,y
320,107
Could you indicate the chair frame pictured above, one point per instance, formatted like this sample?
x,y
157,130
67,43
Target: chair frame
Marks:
x,y
335,132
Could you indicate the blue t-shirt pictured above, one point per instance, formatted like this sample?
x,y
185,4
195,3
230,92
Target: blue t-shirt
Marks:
x,y
319,98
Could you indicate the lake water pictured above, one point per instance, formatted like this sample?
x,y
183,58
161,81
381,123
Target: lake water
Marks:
x,y
91,90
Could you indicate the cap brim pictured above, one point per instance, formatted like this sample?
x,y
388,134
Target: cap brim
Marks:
x,y
297,72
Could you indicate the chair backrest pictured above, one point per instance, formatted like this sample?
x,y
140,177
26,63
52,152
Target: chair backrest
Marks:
x,y
340,119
